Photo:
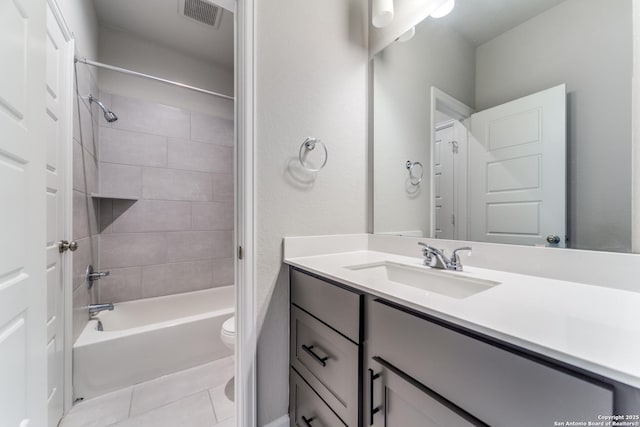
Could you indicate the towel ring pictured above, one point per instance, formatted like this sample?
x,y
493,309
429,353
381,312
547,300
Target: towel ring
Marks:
x,y
412,177
310,144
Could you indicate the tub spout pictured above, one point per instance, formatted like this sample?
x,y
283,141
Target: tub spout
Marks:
x,y
97,308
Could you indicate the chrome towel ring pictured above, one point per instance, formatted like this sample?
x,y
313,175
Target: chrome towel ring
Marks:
x,y
413,177
310,144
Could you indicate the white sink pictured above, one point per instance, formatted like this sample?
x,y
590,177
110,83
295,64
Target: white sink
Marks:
x,y
448,283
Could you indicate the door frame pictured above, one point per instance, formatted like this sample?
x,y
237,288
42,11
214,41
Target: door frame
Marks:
x,y
245,203
66,262
455,109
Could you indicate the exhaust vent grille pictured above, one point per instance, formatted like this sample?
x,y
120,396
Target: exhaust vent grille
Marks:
x,y
202,11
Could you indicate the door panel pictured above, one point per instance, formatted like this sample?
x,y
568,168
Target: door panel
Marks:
x,y
22,215
57,95
517,170
444,182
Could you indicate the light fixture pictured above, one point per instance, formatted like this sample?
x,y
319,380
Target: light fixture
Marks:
x,y
408,35
444,10
382,13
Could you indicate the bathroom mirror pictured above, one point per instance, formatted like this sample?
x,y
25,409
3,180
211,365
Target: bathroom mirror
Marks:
x,y
509,122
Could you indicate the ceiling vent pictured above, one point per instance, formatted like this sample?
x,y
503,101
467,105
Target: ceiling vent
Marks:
x,y
202,11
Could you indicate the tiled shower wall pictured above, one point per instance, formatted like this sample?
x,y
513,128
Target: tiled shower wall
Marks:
x,y
85,181
178,236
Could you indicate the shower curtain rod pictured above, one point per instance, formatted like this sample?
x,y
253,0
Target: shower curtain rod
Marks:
x,y
148,76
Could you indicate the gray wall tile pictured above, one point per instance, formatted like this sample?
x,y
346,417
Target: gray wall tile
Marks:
x,y
198,156
178,164
120,180
171,184
196,245
122,284
132,148
212,216
88,182
223,272
211,129
80,314
82,257
154,215
167,279
222,187
132,249
157,119
80,216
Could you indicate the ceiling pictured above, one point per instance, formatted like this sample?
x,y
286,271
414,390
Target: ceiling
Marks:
x,y
159,21
482,20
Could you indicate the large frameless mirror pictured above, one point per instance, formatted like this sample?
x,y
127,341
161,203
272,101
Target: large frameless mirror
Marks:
x,y
508,122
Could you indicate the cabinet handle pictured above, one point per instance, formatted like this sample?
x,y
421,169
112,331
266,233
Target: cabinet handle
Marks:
x,y
372,410
429,392
307,421
310,352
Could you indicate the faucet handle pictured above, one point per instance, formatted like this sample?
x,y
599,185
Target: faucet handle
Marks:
x,y
456,264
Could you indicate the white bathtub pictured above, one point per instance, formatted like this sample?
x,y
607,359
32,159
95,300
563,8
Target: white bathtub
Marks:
x,y
148,338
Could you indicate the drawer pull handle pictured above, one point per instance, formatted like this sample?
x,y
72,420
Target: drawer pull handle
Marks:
x,y
307,421
372,410
310,352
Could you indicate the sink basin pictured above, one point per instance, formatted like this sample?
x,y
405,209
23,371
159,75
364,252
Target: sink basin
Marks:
x,y
441,282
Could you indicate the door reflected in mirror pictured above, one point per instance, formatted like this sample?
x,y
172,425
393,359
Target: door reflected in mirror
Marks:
x,y
521,115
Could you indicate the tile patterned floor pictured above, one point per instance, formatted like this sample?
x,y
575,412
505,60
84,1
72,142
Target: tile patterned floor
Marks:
x,y
195,397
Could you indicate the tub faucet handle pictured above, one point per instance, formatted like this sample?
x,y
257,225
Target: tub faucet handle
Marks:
x,y
93,275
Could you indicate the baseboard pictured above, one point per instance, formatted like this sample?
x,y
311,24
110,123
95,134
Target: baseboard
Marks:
x,y
283,421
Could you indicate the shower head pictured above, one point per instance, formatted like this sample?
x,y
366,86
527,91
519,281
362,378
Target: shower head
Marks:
x,y
109,115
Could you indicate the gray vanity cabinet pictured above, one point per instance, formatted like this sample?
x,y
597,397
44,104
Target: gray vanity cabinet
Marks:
x,y
461,375
325,353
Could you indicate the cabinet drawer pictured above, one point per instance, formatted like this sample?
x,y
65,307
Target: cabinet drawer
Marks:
x,y
495,385
306,408
328,362
335,306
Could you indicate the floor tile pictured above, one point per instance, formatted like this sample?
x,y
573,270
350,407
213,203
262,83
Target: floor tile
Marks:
x,y
100,411
192,411
229,422
167,389
222,405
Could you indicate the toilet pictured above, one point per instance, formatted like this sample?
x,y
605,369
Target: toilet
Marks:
x,y
228,333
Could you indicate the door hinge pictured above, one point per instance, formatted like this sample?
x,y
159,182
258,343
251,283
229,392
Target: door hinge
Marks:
x,y
453,219
240,252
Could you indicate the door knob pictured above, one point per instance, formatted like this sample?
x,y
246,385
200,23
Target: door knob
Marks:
x,y
553,239
65,245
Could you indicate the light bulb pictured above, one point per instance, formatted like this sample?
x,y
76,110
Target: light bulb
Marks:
x,y
407,35
382,13
444,10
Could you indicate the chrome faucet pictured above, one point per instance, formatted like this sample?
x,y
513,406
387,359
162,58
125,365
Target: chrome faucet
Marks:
x,y
97,308
435,258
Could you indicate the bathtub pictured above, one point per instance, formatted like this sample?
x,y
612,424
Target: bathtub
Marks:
x,y
148,338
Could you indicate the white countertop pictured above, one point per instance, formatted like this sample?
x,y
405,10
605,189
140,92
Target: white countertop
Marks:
x,y
591,327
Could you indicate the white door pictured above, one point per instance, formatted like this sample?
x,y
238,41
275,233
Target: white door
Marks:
x,y
517,170
443,167
22,215
58,90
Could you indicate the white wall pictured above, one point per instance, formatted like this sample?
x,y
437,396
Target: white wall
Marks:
x,y
311,81
586,44
135,53
80,16
403,76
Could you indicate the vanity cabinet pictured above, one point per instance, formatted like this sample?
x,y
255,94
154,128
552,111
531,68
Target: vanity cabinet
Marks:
x,y
325,353
356,360
443,375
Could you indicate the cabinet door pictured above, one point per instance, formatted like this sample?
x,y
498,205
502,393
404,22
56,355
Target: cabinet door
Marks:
x,y
400,401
